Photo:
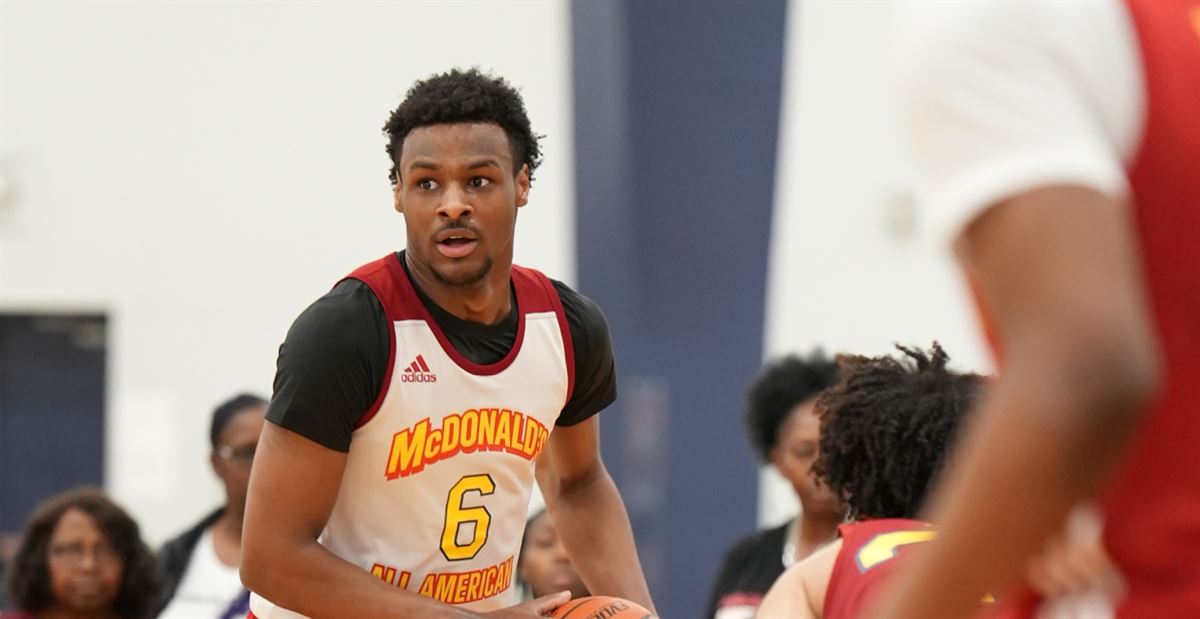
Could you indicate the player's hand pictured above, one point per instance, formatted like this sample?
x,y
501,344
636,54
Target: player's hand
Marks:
x,y
541,607
1066,568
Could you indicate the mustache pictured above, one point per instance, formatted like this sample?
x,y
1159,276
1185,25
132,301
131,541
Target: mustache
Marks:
x,y
457,224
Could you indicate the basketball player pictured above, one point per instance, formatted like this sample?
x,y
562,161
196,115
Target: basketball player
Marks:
x,y
885,431
413,400
1059,144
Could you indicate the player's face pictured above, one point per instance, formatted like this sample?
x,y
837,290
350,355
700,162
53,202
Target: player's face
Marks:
x,y
799,440
85,569
235,453
459,198
545,565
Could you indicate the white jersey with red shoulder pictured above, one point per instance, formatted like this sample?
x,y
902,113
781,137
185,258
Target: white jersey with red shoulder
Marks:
x,y
439,473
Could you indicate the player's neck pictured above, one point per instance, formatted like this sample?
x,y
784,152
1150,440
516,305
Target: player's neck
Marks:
x,y
487,301
814,530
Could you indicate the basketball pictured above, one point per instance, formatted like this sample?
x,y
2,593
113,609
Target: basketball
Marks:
x,y
602,607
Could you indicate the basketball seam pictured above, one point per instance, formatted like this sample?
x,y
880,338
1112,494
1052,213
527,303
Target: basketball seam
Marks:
x,y
572,609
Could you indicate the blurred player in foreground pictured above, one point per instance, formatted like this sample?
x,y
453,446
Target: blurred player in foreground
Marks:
x,y
1059,145
412,401
885,432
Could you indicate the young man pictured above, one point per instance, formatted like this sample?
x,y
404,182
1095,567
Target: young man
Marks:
x,y
885,431
413,401
784,430
1058,143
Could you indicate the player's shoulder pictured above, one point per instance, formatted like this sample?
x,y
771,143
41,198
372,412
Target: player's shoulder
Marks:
x,y
997,34
348,315
583,314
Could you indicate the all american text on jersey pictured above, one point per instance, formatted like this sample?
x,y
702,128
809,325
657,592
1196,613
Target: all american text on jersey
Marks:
x,y
487,429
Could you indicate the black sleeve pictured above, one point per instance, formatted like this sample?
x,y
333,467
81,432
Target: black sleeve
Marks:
x,y
595,370
331,366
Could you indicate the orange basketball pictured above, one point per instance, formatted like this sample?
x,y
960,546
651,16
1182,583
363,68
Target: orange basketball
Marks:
x,y
602,607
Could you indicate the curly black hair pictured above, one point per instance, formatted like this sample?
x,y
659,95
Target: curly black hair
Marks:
x,y
140,594
778,388
887,428
464,96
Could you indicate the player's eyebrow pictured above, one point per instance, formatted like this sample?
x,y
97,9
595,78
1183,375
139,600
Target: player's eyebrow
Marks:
x,y
423,165
483,163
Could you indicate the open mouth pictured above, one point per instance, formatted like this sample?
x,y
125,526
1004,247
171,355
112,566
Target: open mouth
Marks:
x,y
456,244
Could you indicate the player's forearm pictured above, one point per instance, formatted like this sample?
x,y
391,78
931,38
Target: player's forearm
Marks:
x,y
1035,451
309,579
594,526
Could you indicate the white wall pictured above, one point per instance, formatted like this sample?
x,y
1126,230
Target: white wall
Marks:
x,y
847,271
201,172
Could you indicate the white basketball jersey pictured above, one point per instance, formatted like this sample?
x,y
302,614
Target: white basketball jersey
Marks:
x,y
439,473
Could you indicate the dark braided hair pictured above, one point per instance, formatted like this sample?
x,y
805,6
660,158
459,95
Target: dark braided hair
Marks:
x,y
887,427
460,96
777,389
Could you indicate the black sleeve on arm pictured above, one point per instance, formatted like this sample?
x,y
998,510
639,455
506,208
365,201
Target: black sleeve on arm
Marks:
x,y
595,370
331,366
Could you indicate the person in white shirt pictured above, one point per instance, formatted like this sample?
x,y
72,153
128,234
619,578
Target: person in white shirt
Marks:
x,y
202,563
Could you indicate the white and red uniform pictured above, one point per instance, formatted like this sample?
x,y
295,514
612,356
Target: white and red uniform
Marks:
x,y
439,472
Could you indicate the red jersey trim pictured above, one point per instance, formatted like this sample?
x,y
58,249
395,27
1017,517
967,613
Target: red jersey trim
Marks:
x,y
390,283
564,329
383,287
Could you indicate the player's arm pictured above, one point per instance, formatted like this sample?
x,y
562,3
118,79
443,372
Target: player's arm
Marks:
x,y
589,513
799,593
293,487
1057,269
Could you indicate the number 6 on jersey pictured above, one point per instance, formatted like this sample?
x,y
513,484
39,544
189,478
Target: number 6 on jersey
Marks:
x,y
457,516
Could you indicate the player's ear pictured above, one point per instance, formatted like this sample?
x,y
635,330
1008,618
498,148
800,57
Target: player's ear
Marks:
x,y
523,185
397,203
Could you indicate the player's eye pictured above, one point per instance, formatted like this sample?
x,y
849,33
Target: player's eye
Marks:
x,y
427,184
478,182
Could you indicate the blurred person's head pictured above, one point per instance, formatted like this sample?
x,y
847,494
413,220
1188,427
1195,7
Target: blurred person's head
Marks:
x,y
236,426
887,428
543,564
82,555
785,430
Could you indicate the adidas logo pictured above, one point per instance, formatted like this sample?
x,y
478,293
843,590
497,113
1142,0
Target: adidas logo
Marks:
x,y
418,372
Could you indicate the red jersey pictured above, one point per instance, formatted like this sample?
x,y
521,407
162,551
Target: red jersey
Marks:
x,y
1152,507
871,551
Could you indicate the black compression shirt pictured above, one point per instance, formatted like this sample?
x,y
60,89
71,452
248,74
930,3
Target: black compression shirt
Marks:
x,y
331,366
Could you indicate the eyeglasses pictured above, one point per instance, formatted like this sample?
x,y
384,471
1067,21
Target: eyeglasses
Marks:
x,y
240,455
72,555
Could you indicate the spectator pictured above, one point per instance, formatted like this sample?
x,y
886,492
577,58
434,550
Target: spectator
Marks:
x,y
202,563
543,565
785,432
82,557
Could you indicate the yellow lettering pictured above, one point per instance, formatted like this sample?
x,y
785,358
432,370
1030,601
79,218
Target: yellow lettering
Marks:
x,y
504,430
883,546
407,451
450,438
487,427
427,586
